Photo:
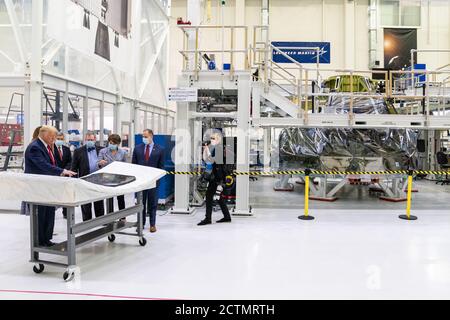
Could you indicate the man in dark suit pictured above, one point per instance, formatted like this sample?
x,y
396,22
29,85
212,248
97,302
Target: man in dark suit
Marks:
x,y
63,154
85,162
40,159
151,155
63,157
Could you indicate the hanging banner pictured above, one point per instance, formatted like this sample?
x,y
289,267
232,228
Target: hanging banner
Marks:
x,y
397,48
302,52
99,29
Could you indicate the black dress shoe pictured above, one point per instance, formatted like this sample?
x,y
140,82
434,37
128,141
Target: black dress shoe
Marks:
x,y
224,220
204,223
49,244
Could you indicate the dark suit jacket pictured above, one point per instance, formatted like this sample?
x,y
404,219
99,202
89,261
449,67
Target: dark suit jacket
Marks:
x,y
156,157
38,161
66,161
80,161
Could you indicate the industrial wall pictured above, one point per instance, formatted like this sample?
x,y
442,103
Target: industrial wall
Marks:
x,y
317,20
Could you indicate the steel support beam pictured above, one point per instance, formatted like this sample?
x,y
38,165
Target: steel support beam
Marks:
x,y
243,145
33,88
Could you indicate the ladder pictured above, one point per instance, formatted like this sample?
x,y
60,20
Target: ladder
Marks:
x,y
10,153
14,108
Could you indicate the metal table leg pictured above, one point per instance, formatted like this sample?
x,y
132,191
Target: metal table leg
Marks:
x,y
34,238
71,246
140,219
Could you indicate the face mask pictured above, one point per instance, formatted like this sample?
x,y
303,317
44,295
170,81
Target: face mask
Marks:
x,y
90,144
59,143
113,147
146,141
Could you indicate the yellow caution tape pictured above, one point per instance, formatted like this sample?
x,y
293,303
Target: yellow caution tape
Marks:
x,y
319,172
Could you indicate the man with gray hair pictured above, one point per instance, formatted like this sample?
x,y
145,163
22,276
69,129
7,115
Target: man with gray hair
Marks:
x,y
40,159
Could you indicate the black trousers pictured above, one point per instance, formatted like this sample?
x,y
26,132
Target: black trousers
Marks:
x,y
46,224
99,208
120,201
210,192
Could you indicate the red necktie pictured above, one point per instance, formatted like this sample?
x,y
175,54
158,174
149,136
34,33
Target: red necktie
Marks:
x,y
50,153
147,153
60,154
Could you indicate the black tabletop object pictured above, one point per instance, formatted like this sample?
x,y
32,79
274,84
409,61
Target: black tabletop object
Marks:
x,y
109,179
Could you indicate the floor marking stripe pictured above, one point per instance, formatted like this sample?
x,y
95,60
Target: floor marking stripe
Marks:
x,y
83,295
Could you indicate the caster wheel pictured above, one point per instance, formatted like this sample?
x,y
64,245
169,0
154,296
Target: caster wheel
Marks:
x,y
112,238
143,242
68,276
38,269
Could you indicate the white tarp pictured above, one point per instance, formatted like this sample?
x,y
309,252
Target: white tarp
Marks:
x,y
61,191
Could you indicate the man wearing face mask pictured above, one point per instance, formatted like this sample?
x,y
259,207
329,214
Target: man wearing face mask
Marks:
x,y
63,157
107,156
213,155
63,154
151,155
85,161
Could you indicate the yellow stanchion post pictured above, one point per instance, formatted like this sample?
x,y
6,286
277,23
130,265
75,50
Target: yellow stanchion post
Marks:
x,y
306,215
408,215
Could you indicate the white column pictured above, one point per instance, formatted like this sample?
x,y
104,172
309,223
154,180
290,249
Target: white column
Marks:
x,y
65,105
349,34
265,18
85,112
133,112
183,145
194,16
239,15
33,89
243,146
267,144
102,120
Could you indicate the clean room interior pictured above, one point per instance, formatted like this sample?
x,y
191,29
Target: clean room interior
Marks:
x,y
321,127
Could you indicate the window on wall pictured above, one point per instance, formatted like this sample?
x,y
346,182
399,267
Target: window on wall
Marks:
x,y
401,13
169,125
156,126
150,121
93,121
108,119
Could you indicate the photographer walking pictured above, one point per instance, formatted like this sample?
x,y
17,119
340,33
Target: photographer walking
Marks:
x,y
213,155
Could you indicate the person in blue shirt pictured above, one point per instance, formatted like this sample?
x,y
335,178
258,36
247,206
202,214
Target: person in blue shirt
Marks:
x,y
107,156
85,162
151,155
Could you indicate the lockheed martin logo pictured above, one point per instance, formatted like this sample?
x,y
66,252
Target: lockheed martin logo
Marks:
x,y
302,52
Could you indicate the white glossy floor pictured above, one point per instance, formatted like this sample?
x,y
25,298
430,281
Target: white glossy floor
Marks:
x,y
359,254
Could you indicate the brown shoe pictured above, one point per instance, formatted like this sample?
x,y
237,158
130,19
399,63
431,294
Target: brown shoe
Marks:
x,y
153,229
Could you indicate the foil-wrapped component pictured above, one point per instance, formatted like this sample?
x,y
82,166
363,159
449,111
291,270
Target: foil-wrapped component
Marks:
x,y
348,149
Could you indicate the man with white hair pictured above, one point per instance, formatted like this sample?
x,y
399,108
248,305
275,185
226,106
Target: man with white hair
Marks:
x,y
40,159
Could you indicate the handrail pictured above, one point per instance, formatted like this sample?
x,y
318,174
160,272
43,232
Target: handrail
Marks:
x,y
194,54
282,88
280,67
284,78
